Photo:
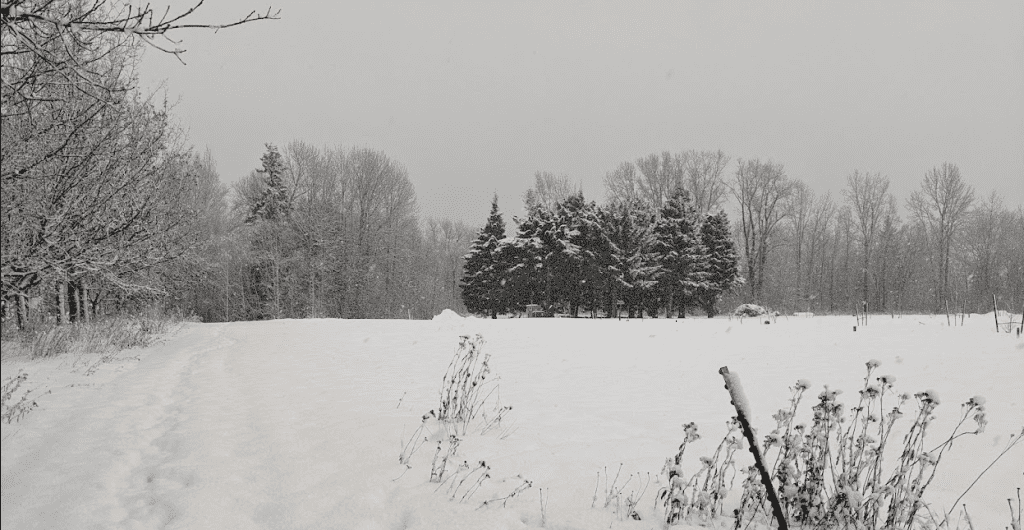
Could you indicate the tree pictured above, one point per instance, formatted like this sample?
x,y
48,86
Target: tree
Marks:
x,y
681,256
661,175
941,205
633,267
760,188
702,177
870,201
622,185
483,289
273,203
722,267
549,189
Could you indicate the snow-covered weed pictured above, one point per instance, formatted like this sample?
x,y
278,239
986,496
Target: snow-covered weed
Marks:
x,y
618,496
439,466
14,409
702,494
1014,517
832,473
465,390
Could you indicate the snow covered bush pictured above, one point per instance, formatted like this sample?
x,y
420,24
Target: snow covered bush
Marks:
x,y
749,310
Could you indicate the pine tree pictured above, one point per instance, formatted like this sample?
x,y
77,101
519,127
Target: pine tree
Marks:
x,y
722,261
681,255
485,277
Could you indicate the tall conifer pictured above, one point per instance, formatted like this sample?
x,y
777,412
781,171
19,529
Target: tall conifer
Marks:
x,y
483,284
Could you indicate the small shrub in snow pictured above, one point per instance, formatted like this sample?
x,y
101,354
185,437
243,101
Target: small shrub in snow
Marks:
x,y
749,310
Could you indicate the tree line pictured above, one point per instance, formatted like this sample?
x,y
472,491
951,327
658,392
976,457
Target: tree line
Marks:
x,y
569,255
104,208
804,251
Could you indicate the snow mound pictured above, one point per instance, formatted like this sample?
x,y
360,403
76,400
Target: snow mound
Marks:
x,y
447,316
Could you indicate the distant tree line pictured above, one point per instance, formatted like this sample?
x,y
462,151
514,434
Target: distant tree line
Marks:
x,y
797,250
570,255
324,232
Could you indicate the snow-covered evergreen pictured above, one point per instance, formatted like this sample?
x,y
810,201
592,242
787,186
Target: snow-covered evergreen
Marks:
x,y
483,289
722,261
681,256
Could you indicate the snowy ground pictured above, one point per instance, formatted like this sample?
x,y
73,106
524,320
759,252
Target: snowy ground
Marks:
x,y
299,423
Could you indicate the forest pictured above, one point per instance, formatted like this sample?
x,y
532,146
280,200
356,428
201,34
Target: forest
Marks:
x,y
106,209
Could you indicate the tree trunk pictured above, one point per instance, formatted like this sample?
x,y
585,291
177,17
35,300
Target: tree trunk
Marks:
x,y
62,302
22,311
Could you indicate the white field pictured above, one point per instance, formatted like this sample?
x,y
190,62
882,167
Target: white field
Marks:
x,y
299,423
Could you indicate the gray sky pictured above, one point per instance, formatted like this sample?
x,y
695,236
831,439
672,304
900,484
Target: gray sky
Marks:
x,y
474,97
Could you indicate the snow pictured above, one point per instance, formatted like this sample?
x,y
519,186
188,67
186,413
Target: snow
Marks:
x,y
447,316
300,423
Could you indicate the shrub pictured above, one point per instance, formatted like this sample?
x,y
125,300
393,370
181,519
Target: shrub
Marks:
x,y
749,310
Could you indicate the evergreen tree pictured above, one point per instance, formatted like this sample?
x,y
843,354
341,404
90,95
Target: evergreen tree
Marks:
x,y
632,268
722,261
273,204
485,277
681,255
531,258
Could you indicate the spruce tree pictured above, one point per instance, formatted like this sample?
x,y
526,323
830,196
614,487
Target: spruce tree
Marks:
x,y
681,255
273,204
722,261
483,283
632,268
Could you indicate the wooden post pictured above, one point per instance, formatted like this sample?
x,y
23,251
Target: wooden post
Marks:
x,y
739,401
947,312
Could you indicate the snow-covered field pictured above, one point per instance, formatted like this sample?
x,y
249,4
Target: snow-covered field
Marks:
x,y
300,423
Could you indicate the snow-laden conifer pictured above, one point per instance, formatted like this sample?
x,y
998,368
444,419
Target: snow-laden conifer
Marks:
x,y
681,256
483,283
722,265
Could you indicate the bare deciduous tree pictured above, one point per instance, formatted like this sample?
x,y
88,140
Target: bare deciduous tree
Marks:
x,y
549,189
941,205
870,201
703,177
760,189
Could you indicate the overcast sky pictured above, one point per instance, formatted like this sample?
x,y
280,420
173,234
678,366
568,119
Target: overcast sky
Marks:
x,y
474,97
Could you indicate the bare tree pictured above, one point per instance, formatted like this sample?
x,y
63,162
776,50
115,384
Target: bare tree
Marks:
x,y
799,206
941,205
622,185
760,188
703,177
870,201
661,175
549,189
